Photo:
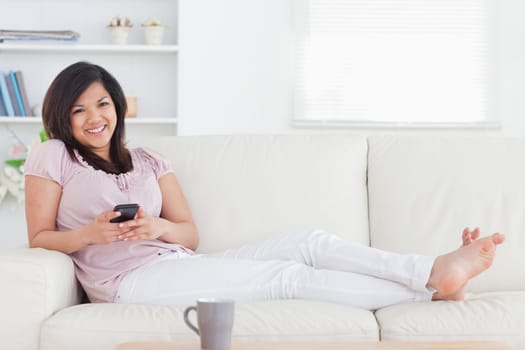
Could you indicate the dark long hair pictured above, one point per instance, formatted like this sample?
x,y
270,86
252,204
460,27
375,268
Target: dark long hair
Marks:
x,y
65,89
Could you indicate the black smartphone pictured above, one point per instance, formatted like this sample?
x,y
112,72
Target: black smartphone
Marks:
x,y
127,212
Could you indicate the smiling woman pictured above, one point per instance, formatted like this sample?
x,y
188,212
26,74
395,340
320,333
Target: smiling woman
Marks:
x,y
85,170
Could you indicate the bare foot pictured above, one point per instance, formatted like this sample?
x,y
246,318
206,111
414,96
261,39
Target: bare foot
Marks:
x,y
452,271
467,238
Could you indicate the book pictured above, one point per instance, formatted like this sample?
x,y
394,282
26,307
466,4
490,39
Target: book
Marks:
x,y
6,34
18,95
23,92
6,98
12,96
3,112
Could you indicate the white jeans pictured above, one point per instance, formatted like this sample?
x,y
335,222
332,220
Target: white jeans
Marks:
x,y
302,265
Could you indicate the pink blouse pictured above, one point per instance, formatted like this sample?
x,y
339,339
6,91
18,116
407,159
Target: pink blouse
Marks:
x,y
86,193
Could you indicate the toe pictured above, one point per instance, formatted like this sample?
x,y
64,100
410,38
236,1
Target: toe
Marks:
x,y
498,238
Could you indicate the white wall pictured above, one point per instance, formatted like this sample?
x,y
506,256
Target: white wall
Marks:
x,y
236,67
509,65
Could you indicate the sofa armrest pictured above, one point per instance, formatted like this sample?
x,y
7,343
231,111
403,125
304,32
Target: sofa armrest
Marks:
x,y
35,283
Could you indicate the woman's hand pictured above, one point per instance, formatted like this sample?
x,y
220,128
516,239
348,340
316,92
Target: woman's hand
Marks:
x,y
101,230
144,226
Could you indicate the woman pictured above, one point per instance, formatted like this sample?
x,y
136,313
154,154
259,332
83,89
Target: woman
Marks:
x,y
75,179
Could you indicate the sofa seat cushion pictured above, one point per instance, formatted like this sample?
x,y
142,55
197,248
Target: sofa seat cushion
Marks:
x,y
496,316
102,326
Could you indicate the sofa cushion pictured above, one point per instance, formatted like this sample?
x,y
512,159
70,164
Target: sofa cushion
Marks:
x,y
496,316
423,190
244,188
102,326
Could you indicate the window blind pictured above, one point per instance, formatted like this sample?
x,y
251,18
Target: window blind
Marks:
x,y
391,60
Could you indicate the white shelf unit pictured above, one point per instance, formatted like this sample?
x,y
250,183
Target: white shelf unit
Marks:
x,y
147,72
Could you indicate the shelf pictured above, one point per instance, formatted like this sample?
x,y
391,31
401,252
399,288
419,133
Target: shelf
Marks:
x,y
20,120
169,49
130,121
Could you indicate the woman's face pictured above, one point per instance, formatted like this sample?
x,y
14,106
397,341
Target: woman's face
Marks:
x,y
93,119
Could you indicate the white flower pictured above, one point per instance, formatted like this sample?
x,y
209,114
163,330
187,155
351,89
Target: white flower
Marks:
x,y
12,182
3,192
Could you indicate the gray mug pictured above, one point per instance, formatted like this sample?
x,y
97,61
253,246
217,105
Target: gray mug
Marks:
x,y
215,322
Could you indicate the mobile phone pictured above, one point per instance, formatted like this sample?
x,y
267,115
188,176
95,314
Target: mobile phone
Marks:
x,y
127,212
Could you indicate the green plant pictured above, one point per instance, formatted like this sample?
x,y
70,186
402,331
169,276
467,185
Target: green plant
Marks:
x,y
152,22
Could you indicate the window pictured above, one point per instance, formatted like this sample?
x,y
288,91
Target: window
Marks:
x,y
390,61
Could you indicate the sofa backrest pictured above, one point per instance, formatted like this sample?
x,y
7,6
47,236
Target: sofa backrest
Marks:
x,y
424,190
244,188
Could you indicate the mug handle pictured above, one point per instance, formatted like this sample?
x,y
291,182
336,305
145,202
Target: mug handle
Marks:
x,y
187,320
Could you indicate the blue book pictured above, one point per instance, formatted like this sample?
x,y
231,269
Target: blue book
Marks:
x,y
11,91
5,96
23,92
18,95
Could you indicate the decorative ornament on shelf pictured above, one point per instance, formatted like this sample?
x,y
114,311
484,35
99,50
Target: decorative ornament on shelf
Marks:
x,y
131,101
153,31
12,174
119,28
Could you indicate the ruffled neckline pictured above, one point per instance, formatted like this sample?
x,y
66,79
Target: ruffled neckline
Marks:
x,y
82,161
122,179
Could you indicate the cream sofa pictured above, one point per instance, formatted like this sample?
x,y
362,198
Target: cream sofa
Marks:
x,y
401,193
